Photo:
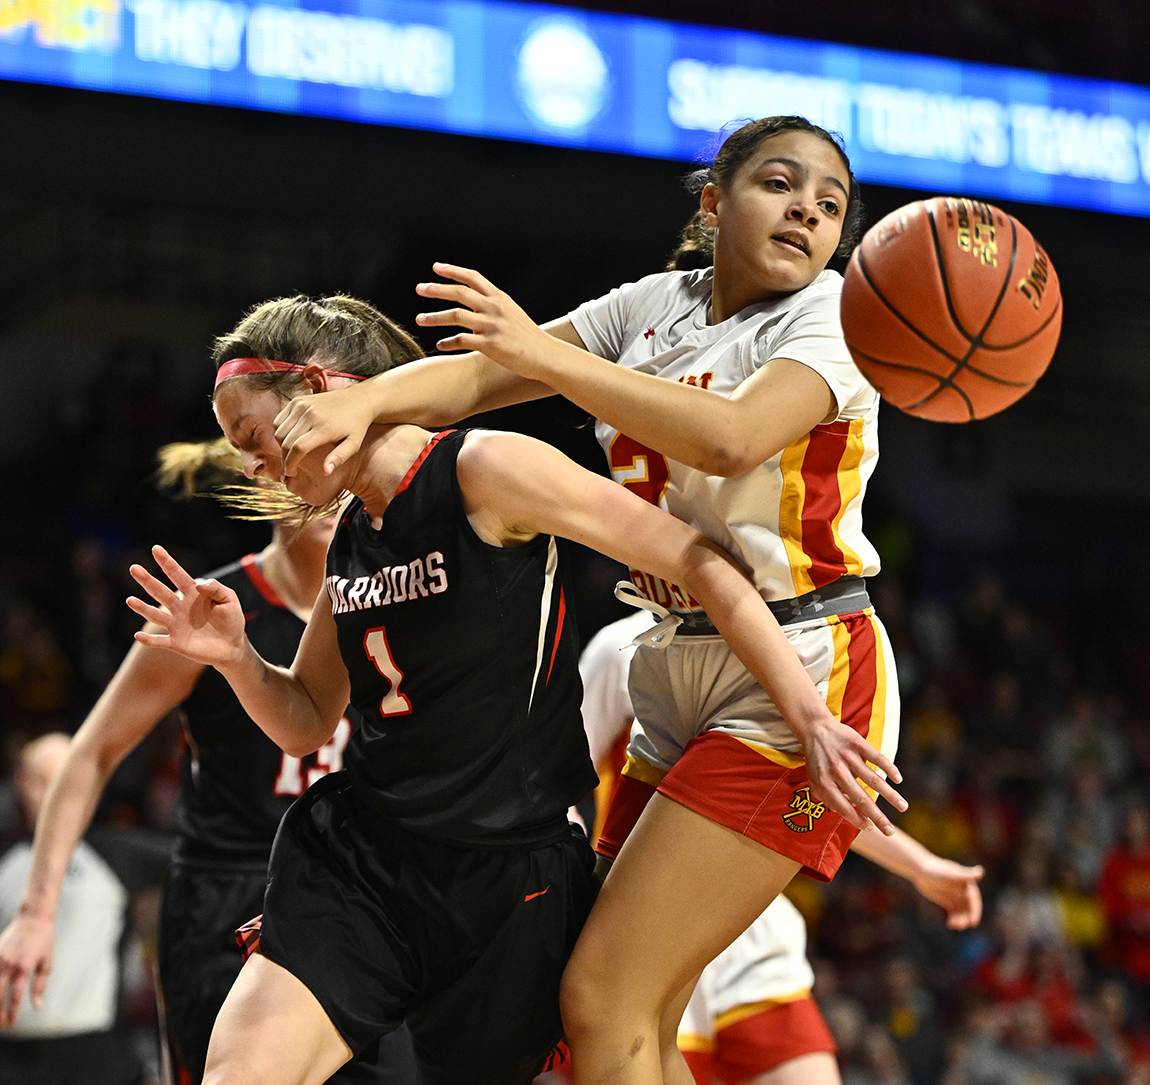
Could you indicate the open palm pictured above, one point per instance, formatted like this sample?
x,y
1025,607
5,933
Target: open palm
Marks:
x,y
202,620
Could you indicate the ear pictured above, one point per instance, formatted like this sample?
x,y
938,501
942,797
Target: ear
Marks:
x,y
709,204
315,377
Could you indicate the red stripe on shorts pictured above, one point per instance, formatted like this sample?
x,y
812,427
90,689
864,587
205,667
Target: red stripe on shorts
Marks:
x,y
628,801
858,707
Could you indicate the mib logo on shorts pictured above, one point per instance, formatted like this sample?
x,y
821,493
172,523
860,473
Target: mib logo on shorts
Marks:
x,y
803,811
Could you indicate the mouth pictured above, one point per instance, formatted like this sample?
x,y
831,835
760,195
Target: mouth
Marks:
x,y
794,240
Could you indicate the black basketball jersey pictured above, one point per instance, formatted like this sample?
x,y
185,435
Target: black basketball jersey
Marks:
x,y
235,782
463,660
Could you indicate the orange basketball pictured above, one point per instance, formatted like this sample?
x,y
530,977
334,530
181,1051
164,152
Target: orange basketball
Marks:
x,y
951,309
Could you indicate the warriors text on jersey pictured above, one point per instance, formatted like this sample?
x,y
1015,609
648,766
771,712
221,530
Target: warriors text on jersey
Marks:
x,y
235,782
795,521
463,661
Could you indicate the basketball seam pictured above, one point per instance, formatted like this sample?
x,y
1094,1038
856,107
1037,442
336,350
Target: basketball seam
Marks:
x,y
943,382
928,373
975,341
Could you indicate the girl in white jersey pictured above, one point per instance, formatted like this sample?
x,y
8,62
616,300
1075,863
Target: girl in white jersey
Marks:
x,y
728,397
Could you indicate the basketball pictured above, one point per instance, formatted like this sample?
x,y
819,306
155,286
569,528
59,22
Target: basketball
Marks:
x,y
951,309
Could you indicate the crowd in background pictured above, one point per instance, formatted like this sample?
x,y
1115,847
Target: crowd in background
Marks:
x,y
1024,747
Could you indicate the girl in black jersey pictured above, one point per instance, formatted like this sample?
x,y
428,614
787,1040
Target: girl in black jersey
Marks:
x,y
235,786
435,881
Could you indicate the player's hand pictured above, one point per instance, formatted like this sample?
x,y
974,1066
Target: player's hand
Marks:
x,y
339,417
954,888
495,324
846,772
202,620
25,955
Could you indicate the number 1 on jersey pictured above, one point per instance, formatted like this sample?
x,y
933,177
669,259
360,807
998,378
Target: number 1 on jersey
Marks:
x,y
395,703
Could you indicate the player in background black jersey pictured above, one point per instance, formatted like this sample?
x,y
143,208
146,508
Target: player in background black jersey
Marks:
x,y
235,786
435,880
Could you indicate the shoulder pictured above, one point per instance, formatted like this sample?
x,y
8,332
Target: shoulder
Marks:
x,y
661,290
822,297
488,453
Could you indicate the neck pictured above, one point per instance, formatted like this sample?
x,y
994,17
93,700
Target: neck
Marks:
x,y
293,564
381,464
731,292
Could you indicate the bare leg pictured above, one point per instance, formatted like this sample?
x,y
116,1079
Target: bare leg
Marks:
x,y
817,1068
675,1068
272,1031
682,889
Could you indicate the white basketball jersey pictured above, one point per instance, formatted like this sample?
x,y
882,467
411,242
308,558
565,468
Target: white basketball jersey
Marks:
x,y
795,521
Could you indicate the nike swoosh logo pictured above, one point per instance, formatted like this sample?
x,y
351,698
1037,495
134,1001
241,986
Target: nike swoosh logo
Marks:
x,y
532,896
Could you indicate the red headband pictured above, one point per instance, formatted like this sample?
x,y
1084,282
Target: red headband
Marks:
x,y
243,367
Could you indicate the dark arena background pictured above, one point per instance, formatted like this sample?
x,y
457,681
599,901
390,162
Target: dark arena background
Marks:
x,y
1016,550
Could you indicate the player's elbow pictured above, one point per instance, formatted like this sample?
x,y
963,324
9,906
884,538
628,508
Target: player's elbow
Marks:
x,y
727,457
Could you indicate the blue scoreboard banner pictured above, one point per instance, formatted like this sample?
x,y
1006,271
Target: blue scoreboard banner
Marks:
x,y
558,75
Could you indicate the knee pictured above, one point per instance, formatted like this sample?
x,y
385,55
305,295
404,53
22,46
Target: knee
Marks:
x,y
583,996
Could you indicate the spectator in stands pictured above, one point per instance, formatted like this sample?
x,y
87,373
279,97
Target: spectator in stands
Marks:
x,y
1124,891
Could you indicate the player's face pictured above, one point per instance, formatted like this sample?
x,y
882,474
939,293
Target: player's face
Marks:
x,y
780,217
247,418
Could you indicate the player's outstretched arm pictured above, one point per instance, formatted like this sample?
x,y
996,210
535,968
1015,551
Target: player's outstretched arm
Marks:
x,y
717,434
430,392
147,686
297,707
950,885
515,487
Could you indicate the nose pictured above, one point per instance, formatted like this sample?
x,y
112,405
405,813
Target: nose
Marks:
x,y
251,463
804,212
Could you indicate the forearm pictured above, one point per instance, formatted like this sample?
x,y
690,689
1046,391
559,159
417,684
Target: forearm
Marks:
x,y
683,422
438,391
279,703
69,806
901,854
753,634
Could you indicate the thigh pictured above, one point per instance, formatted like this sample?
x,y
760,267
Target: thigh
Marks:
x,y
682,889
271,1030
198,957
338,917
497,1022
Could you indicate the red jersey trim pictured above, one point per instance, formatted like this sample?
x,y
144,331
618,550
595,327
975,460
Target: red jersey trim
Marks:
x,y
558,634
256,576
436,438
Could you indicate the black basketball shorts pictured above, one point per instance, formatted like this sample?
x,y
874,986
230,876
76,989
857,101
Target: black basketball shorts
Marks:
x,y
204,901
467,944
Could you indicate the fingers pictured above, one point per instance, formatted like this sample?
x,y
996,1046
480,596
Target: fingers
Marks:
x,y
39,982
340,455
177,574
462,341
465,275
836,800
460,295
150,614
157,589
11,995
449,318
